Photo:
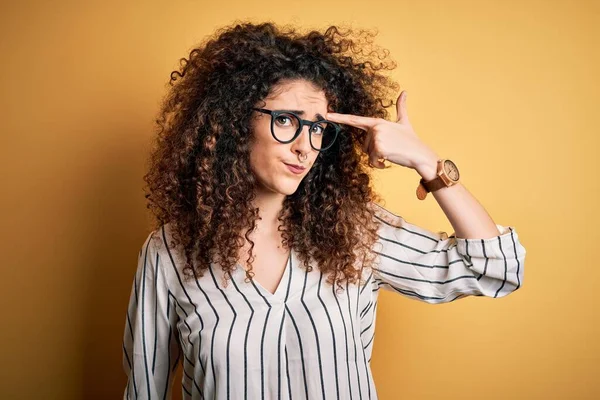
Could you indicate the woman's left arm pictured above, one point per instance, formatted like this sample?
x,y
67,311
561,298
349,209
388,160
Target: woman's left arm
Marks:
x,y
398,143
481,258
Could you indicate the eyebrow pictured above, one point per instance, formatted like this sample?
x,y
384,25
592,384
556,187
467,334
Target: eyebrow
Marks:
x,y
301,112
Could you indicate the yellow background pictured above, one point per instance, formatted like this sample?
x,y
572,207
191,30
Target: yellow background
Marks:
x,y
509,90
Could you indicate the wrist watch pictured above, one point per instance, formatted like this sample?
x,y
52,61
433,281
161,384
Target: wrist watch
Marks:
x,y
447,175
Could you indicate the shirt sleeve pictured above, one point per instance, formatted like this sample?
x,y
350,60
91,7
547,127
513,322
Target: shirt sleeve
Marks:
x,y
150,342
436,268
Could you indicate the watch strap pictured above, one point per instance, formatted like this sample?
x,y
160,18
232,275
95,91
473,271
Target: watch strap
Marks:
x,y
435,184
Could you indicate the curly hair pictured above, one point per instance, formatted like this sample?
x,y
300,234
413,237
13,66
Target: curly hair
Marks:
x,y
199,180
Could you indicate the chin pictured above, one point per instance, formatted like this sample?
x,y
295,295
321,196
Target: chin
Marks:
x,y
284,186
288,189
290,185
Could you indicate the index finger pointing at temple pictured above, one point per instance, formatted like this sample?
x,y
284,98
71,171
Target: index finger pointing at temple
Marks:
x,y
358,121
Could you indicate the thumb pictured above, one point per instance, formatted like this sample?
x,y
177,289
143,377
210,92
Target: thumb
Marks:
x,y
401,108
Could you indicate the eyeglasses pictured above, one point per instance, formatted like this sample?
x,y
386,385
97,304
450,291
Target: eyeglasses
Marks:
x,y
286,126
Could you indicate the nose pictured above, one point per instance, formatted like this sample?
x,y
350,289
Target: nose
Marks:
x,y
302,142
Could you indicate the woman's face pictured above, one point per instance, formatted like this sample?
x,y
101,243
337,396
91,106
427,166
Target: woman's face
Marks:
x,y
268,157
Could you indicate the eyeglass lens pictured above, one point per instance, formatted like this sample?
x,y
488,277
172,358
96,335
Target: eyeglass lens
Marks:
x,y
286,125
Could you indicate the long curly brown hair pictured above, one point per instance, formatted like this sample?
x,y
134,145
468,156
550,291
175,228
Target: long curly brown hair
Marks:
x,y
199,180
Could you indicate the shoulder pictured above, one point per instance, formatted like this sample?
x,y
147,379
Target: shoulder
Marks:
x,y
392,222
158,249
384,215
159,241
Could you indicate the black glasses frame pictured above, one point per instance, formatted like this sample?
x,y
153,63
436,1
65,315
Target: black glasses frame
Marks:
x,y
275,113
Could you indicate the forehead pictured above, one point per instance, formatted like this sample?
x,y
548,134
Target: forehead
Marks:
x,y
296,93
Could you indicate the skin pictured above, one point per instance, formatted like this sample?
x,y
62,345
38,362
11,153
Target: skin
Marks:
x,y
398,143
395,141
275,180
268,155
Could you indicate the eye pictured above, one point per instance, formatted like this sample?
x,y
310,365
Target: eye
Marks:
x,y
320,129
281,118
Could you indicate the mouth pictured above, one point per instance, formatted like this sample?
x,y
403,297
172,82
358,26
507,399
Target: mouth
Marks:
x,y
297,169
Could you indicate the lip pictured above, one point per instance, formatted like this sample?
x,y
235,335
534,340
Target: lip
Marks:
x,y
295,168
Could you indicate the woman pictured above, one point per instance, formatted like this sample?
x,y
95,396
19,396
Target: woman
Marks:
x,y
262,274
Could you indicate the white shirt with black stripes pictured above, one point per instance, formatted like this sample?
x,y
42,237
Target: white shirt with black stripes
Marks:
x,y
303,341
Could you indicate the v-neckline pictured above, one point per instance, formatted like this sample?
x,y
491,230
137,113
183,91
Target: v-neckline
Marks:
x,y
279,293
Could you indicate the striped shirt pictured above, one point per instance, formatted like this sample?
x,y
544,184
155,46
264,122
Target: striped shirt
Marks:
x,y
303,341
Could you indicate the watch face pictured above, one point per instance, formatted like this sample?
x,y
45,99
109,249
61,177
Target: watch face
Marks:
x,y
451,170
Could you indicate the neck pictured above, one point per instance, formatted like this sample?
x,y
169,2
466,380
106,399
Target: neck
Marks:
x,y
269,205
